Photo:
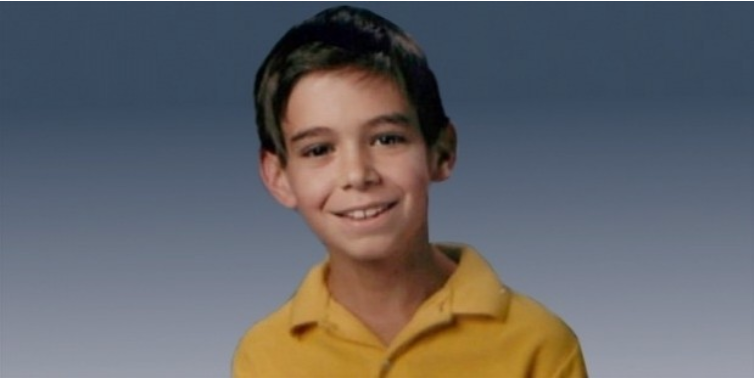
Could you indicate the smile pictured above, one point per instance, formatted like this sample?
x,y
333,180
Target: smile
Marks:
x,y
366,213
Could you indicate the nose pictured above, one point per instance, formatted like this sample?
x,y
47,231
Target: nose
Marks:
x,y
358,171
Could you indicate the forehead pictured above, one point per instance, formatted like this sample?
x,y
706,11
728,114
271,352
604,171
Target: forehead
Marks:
x,y
342,96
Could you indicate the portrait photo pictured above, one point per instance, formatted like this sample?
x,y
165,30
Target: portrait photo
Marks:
x,y
197,189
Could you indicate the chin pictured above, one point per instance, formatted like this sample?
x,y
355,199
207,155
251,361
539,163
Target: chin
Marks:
x,y
367,249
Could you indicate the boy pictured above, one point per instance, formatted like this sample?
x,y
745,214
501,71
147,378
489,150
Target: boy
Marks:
x,y
353,132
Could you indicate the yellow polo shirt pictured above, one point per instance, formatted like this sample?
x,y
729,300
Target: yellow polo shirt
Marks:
x,y
474,326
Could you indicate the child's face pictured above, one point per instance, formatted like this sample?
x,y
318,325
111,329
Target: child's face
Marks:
x,y
358,169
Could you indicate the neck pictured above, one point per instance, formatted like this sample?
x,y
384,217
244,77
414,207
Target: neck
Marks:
x,y
385,294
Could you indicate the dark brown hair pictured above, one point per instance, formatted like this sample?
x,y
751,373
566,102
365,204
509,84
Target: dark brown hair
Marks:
x,y
337,38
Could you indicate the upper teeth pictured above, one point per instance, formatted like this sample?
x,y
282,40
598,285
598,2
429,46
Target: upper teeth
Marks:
x,y
366,213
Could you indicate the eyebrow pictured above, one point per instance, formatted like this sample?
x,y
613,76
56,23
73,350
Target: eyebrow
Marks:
x,y
395,118
309,132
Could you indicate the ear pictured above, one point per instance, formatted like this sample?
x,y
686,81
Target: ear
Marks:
x,y
276,179
443,157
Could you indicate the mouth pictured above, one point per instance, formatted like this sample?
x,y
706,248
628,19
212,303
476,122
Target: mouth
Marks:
x,y
366,213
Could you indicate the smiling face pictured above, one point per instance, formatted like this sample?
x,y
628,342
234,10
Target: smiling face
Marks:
x,y
358,169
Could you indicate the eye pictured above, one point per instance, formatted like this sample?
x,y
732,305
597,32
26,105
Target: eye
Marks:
x,y
318,150
390,139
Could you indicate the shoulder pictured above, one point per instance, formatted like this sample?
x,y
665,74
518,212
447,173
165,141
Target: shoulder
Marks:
x,y
269,329
531,313
272,339
262,337
553,341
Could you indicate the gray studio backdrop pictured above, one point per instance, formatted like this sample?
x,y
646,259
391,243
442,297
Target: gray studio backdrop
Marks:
x,y
605,169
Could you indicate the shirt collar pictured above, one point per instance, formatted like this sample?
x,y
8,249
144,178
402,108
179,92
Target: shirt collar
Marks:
x,y
309,304
474,286
473,289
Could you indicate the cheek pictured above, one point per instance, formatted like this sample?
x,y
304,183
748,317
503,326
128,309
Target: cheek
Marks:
x,y
312,190
413,176
418,167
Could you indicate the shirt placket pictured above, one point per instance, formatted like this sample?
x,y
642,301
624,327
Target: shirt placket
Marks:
x,y
430,317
